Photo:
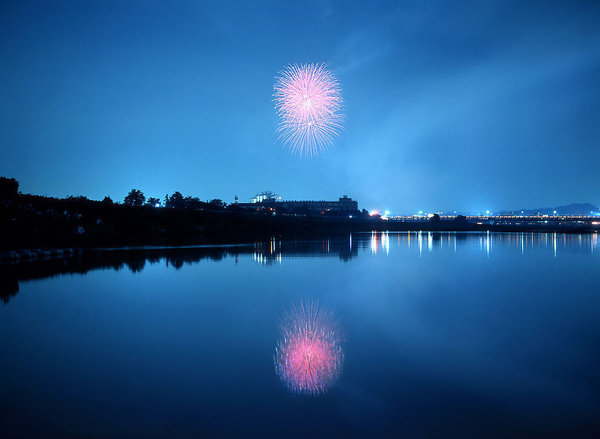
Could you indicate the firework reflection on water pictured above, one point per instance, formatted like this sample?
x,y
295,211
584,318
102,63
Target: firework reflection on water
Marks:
x,y
308,357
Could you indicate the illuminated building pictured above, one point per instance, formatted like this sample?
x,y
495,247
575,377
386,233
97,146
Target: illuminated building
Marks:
x,y
266,197
269,200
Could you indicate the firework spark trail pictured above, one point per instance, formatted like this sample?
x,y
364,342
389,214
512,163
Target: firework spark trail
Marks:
x,y
308,357
308,100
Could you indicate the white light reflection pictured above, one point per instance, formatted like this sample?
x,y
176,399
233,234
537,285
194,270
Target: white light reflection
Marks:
x,y
522,244
270,252
374,243
267,259
385,242
268,255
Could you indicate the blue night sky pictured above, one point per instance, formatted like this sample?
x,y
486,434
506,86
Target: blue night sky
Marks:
x,y
467,105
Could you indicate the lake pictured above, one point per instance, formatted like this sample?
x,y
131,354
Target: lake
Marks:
x,y
441,335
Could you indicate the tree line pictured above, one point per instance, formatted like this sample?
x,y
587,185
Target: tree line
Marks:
x,y
136,197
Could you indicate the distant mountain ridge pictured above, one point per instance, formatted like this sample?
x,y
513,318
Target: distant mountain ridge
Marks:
x,y
570,209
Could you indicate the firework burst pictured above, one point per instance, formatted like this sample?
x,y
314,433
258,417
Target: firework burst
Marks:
x,y
308,100
308,357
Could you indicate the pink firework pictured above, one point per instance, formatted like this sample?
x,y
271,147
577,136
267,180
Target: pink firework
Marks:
x,y
308,358
308,100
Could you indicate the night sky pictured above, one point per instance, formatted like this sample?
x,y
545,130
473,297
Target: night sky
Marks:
x,y
467,106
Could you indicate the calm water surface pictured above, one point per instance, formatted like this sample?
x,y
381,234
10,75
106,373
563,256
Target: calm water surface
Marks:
x,y
446,335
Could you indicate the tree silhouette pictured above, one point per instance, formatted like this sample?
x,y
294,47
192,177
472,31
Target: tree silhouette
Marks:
x,y
217,204
134,198
193,203
175,201
152,202
9,187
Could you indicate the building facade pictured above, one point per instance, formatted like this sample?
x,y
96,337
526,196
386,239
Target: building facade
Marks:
x,y
344,204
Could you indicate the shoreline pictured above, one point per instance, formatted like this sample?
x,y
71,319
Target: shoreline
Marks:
x,y
52,253
33,225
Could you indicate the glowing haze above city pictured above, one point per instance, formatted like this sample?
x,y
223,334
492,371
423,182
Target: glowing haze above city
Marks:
x,y
462,106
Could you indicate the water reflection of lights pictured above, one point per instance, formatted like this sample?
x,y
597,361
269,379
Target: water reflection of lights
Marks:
x,y
374,243
273,252
488,241
382,240
385,242
267,259
268,254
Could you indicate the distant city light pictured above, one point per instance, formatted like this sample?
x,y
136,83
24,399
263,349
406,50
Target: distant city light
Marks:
x,y
374,212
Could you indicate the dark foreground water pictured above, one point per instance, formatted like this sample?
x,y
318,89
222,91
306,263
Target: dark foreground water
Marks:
x,y
445,335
